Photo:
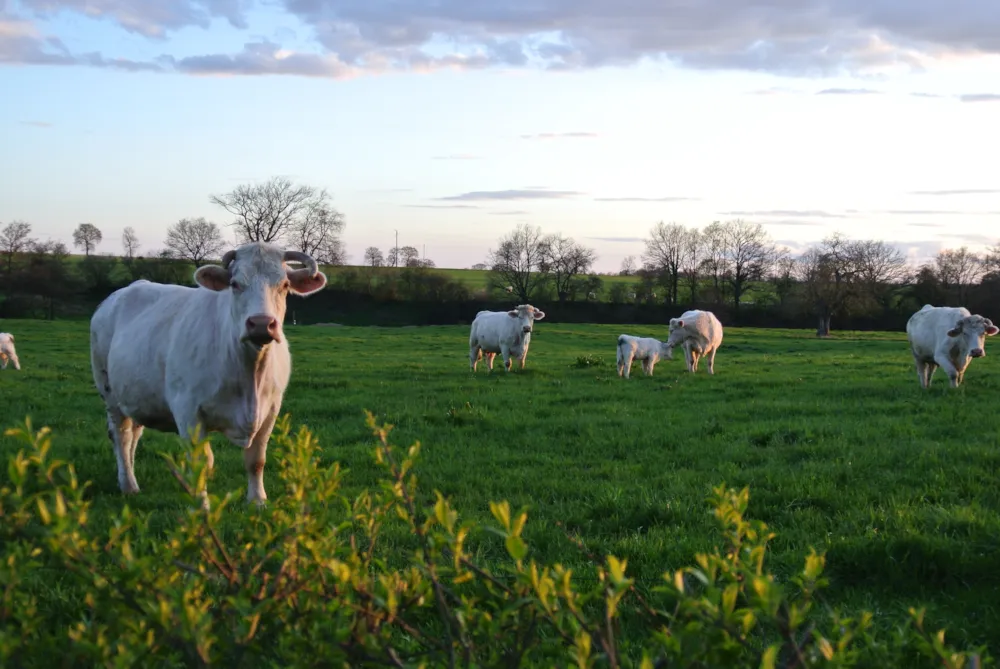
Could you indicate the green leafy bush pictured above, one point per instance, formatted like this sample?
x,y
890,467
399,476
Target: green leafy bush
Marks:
x,y
586,361
310,581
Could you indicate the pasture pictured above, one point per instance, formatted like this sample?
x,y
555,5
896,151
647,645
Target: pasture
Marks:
x,y
840,448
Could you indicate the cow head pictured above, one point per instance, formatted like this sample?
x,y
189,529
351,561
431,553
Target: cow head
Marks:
x,y
676,338
972,332
259,281
526,316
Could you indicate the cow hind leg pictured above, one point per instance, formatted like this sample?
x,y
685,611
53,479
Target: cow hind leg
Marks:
x,y
475,353
489,360
711,361
121,435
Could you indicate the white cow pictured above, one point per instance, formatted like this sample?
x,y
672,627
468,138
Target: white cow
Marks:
x,y
645,349
946,337
7,352
699,333
505,332
174,358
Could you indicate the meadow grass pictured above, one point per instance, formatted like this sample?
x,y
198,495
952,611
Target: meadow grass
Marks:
x,y
840,447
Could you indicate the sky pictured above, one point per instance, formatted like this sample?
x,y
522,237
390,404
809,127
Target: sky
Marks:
x,y
452,121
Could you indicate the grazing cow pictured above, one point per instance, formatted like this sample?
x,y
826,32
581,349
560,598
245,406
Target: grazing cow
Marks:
x,y
7,352
645,349
946,337
505,332
174,358
700,334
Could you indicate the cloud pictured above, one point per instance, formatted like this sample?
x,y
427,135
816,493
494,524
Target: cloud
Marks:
x,y
459,156
772,213
629,240
848,91
926,225
958,191
919,94
442,206
980,97
509,212
646,199
37,124
775,90
788,37
561,135
939,212
794,222
514,194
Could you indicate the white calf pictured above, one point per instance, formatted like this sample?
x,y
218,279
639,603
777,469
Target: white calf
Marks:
x,y
7,351
645,349
700,334
946,337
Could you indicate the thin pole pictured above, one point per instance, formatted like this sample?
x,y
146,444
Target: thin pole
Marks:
x,y
395,255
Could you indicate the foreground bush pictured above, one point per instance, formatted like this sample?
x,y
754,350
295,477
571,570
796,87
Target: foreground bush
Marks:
x,y
310,581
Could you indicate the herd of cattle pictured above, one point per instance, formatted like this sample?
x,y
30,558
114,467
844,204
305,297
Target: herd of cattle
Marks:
x,y
214,358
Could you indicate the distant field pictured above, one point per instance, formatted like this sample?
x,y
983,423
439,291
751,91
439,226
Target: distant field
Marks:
x,y
840,447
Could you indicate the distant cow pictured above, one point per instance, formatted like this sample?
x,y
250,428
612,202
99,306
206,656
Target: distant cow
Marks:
x,y
645,349
7,351
699,333
175,357
505,332
946,337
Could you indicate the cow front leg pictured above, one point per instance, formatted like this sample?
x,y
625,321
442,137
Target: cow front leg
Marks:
x,y
627,364
489,360
254,457
954,376
508,362
711,361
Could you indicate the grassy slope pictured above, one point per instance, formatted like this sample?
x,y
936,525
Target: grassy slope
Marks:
x,y
840,447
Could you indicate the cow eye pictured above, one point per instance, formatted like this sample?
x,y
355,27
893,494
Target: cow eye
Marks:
x,y
234,285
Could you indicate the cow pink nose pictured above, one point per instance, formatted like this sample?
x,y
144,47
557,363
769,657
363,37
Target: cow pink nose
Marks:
x,y
977,353
261,329
527,330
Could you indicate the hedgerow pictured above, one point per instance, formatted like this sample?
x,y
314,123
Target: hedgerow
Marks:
x,y
310,581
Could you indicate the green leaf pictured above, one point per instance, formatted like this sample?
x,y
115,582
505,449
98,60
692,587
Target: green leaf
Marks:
x,y
516,547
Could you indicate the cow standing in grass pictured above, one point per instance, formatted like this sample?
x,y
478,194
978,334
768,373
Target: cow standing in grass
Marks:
x,y
946,337
7,352
645,349
176,358
505,332
699,333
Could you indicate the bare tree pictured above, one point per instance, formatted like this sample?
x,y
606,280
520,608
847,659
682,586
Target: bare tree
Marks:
x,y
782,274
629,266
480,266
991,263
692,257
130,243
373,256
563,260
194,239
749,254
516,261
317,231
958,269
409,256
331,252
15,239
664,254
87,237
881,268
713,247
267,212
829,272
392,258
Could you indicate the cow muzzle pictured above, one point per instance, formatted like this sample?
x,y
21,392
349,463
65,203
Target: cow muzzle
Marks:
x,y
977,353
262,330
526,330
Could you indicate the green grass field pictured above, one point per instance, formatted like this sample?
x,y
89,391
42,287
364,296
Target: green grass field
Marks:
x,y
840,447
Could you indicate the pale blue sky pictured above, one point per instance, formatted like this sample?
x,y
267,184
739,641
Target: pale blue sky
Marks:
x,y
815,116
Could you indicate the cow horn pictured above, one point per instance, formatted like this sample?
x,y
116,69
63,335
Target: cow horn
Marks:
x,y
303,258
988,322
228,258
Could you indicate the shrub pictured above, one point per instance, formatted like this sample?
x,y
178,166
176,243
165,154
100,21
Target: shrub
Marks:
x,y
589,360
309,581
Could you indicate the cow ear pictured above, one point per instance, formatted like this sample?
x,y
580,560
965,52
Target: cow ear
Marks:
x,y
990,330
955,331
212,277
539,314
304,282
679,323
512,313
